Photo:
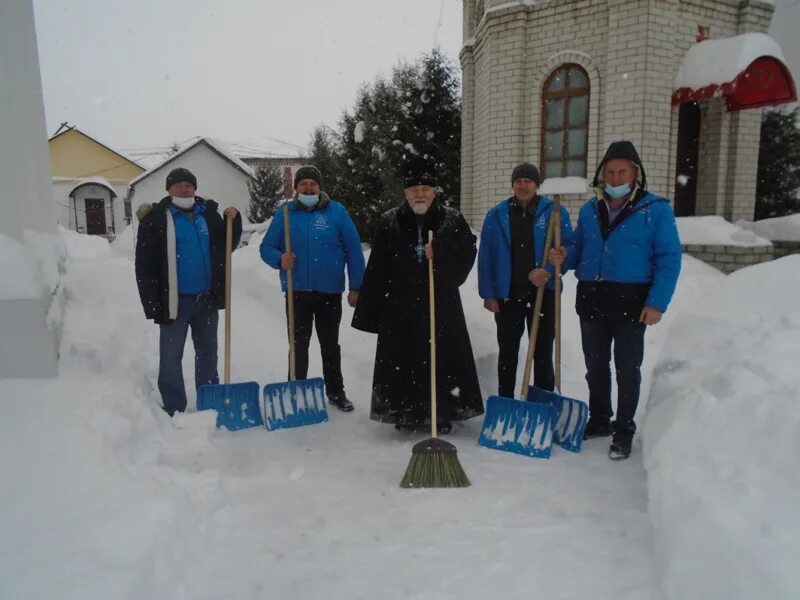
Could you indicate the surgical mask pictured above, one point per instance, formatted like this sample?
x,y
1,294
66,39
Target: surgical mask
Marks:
x,y
183,203
308,200
618,191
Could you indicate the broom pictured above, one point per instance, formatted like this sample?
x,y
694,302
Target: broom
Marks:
x,y
434,462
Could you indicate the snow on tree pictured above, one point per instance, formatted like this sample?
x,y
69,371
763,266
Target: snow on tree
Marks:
x,y
417,111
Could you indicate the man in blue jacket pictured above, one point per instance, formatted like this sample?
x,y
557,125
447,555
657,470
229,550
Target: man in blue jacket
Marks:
x,y
324,243
180,272
509,272
627,257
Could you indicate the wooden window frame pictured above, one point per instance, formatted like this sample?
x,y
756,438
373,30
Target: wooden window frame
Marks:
x,y
567,93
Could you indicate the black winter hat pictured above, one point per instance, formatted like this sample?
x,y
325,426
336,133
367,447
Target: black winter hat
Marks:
x,y
181,175
308,172
419,171
528,171
625,150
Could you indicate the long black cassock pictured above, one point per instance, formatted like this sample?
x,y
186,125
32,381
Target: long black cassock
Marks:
x,y
394,303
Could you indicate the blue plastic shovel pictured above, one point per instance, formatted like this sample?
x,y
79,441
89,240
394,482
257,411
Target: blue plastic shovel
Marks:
x,y
236,403
293,403
571,415
522,426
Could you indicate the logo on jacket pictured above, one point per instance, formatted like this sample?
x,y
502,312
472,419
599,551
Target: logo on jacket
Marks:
x,y
320,222
541,223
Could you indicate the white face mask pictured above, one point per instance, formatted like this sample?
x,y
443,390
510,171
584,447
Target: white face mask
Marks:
x,y
183,203
308,200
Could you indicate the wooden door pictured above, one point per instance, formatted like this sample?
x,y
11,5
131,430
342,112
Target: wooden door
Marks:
x,y
95,216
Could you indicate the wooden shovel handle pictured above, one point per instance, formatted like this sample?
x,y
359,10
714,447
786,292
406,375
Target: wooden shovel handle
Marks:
x,y
556,218
434,429
287,242
537,309
228,276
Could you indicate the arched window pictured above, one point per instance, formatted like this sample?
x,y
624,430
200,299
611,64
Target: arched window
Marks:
x,y
565,122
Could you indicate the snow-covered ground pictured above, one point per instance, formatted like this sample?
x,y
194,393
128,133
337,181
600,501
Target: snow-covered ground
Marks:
x,y
104,496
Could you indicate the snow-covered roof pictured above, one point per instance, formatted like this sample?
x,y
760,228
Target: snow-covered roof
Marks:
x,y
714,62
94,180
214,144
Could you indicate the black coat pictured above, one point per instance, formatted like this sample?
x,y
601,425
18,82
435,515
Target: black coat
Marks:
x,y
152,274
394,303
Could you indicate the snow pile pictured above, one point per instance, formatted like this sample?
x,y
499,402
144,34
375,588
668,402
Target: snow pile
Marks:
x,y
20,271
81,245
716,231
125,243
777,229
722,440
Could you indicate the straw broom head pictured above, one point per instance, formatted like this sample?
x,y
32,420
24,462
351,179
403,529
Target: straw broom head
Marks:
x,y
434,464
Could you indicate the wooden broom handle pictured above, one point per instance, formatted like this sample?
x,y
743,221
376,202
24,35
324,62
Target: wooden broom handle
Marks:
x,y
228,253
434,430
557,298
537,309
287,241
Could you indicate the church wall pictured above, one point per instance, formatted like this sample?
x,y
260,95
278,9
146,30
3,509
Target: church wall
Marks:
x,y
631,50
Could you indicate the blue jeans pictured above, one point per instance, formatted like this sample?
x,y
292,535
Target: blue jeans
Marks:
x,y
597,336
201,314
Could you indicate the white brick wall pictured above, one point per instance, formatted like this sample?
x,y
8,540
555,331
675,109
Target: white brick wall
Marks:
x,y
631,50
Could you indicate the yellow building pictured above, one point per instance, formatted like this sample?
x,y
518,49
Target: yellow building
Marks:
x,y
90,183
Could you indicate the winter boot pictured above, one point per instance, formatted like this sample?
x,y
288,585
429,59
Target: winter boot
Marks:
x,y
340,401
597,428
443,426
620,446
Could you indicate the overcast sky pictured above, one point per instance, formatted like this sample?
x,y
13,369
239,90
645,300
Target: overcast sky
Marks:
x,y
141,75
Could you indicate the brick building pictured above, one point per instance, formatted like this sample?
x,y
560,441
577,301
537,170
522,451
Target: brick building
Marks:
x,y
554,82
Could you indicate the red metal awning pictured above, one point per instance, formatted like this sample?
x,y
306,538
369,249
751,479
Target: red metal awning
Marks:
x,y
747,69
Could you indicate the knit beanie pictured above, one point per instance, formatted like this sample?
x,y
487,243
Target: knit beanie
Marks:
x,y
528,171
308,172
181,175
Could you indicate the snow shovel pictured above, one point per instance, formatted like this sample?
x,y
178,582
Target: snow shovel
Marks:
x,y
293,403
236,403
522,426
571,415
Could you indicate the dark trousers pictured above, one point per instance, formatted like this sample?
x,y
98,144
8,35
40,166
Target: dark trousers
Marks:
x,y
201,314
597,336
324,311
511,321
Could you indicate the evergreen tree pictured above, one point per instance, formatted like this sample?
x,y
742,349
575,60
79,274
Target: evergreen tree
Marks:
x,y
778,165
266,190
416,112
326,156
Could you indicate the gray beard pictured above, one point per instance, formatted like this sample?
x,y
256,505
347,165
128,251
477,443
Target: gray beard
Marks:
x,y
419,209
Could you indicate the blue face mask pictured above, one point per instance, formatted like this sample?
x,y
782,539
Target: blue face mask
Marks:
x,y
619,191
308,200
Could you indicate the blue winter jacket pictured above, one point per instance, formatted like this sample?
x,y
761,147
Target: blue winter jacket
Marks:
x,y
644,248
494,252
324,240
193,250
